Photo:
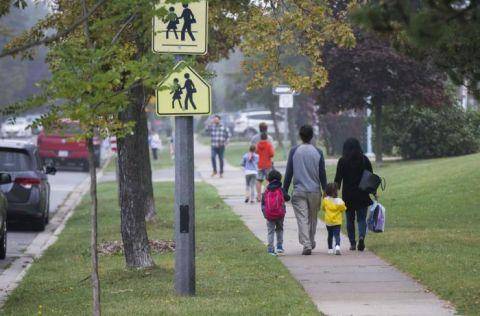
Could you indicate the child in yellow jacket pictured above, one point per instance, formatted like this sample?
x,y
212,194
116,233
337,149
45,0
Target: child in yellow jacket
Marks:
x,y
334,207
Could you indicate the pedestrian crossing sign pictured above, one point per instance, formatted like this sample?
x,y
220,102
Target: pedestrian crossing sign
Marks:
x,y
184,93
181,28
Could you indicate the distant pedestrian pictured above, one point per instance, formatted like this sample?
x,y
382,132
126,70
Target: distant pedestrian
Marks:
x,y
274,210
265,153
263,129
350,169
306,165
219,135
334,208
250,167
155,145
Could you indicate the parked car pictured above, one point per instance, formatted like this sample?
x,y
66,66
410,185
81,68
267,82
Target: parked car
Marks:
x,y
247,122
61,148
16,128
28,195
5,178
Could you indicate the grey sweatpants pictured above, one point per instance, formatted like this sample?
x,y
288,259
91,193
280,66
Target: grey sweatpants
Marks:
x,y
273,227
306,206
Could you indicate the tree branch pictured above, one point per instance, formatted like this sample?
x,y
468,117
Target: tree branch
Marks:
x,y
53,38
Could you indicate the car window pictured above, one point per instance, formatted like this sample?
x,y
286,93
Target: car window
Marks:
x,y
14,161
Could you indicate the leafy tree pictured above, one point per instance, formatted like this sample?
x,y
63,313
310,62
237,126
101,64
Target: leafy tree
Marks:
x,y
285,30
445,32
373,75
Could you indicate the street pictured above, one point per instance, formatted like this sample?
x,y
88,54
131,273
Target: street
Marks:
x,y
20,236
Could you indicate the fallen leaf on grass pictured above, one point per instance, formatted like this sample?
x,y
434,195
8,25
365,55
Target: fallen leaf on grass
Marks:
x,y
110,248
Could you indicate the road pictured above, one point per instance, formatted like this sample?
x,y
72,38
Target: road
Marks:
x,y
20,236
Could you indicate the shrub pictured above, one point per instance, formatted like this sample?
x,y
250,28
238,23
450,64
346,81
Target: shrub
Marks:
x,y
421,132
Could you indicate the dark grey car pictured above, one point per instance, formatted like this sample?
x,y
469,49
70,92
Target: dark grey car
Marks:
x,y
28,195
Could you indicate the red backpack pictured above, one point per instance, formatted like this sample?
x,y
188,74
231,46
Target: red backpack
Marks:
x,y
273,204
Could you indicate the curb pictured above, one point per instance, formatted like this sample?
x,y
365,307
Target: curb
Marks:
x,y
14,275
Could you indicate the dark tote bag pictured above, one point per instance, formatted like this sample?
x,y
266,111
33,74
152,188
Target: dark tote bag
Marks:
x,y
370,182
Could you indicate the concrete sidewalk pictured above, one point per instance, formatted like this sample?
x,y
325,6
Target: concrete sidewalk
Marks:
x,y
352,284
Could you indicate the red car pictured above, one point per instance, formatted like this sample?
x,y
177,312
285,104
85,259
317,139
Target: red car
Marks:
x,y
61,148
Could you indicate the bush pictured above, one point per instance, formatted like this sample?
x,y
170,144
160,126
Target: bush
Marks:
x,y
421,132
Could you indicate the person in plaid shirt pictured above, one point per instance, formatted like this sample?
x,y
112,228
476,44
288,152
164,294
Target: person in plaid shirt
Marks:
x,y
220,135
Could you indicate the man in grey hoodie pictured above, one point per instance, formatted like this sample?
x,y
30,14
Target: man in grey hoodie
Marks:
x,y
306,165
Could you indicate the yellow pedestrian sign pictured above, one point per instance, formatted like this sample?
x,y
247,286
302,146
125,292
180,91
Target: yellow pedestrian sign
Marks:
x,y
183,93
182,30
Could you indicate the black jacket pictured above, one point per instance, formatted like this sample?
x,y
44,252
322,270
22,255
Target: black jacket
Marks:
x,y
348,176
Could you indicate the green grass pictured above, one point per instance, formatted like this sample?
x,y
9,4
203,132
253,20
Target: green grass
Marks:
x,y
433,226
235,276
164,161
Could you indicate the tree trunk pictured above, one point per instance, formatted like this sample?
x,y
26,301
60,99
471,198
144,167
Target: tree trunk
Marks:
x,y
94,226
275,125
378,132
134,186
292,128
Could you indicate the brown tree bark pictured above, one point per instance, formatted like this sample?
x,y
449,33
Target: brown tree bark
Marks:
x,y
135,184
378,131
94,229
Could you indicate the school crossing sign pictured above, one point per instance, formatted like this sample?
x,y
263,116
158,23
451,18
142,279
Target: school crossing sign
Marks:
x,y
183,28
183,93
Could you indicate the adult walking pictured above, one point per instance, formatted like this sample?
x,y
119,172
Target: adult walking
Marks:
x,y
155,144
263,129
350,169
219,135
188,20
306,165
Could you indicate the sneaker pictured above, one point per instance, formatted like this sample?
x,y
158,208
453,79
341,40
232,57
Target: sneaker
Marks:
x,y
337,250
252,201
330,251
247,200
353,247
214,174
361,245
306,252
221,175
271,252
280,250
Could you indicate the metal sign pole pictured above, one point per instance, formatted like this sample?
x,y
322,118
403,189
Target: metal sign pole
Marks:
x,y
184,207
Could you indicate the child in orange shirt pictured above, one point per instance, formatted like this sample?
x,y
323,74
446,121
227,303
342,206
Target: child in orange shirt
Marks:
x,y
265,153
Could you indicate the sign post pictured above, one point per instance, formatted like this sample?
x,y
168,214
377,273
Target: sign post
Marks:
x,y
183,94
285,94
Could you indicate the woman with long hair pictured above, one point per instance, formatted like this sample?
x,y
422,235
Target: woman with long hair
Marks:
x,y
350,169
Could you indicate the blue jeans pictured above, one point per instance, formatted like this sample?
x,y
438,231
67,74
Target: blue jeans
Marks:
x,y
218,151
361,216
333,232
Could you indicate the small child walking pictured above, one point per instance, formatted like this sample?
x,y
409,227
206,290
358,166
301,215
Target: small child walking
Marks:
x,y
250,167
274,210
334,208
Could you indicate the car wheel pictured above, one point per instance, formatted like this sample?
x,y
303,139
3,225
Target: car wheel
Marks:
x,y
86,166
39,224
3,242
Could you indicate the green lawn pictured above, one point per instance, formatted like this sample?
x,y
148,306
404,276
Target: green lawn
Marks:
x,y
235,276
164,161
433,226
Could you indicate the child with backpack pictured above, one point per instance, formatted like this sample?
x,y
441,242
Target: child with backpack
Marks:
x,y
274,210
250,167
334,207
